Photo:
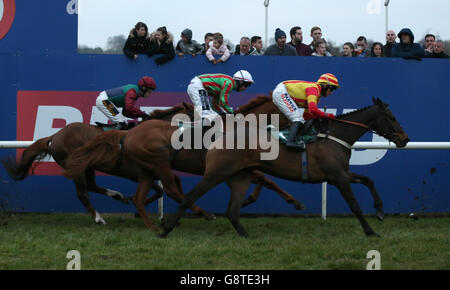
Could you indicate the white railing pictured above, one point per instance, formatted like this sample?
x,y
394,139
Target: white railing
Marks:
x,y
357,145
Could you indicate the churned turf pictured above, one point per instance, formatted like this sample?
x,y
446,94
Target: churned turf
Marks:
x,y
41,241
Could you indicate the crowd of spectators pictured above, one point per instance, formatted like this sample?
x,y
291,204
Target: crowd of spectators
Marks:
x,y
161,42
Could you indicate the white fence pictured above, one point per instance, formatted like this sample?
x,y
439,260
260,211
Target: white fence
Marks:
x,y
357,145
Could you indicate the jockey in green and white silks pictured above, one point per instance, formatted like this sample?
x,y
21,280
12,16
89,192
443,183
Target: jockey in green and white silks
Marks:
x,y
124,97
218,86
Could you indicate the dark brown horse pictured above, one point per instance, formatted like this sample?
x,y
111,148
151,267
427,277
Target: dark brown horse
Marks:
x,y
328,161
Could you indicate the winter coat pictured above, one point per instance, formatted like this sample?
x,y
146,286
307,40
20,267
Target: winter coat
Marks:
x,y
136,44
407,50
287,50
166,48
191,47
222,50
252,51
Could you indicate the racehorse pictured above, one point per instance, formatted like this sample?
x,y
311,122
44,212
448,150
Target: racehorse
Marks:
x,y
328,161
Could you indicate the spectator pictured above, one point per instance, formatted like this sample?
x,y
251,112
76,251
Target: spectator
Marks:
x,y
348,49
407,48
429,44
256,42
161,42
244,47
321,49
438,50
218,48
280,47
361,50
296,42
316,35
377,50
188,46
138,41
390,41
208,38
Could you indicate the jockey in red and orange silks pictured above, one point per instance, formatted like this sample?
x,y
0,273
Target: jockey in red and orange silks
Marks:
x,y
288,96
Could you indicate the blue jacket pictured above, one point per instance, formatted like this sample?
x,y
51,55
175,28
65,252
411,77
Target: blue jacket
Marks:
x,y
408,50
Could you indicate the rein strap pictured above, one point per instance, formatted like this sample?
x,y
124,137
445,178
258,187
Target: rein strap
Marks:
x,y
353,123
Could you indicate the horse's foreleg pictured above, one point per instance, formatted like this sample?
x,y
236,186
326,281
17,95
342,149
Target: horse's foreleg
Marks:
x,y
83,196
239,184
92,186
378,203
144,185
261,180
208,182
343,184
173,188
158,194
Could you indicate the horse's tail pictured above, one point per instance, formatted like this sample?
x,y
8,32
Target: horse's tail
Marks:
x,y
104,150
37,151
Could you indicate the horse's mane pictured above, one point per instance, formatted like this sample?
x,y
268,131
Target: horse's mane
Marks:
x,y
353,112
256,101
159,114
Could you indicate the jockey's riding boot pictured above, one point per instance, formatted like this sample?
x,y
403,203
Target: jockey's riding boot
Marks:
x,y
120,126
292,134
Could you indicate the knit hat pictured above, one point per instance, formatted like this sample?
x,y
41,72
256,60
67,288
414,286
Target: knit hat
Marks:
x,y
188,33
279,33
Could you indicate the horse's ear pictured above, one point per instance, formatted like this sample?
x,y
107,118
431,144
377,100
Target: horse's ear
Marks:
x,y
270,93
379,102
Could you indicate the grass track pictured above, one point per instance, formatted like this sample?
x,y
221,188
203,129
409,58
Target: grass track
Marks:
x,y
41,241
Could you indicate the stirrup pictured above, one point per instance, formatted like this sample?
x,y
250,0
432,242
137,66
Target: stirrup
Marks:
x,y
294,145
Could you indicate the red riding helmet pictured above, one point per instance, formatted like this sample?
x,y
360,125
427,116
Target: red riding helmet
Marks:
x,y
147,82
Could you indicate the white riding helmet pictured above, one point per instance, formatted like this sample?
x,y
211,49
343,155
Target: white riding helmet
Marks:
x,y
243,75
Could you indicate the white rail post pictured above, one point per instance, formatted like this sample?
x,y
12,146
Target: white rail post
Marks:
x,y
161,203
324,200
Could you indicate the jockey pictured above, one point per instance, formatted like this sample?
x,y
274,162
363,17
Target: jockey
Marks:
x,y
289,95
125,97
218,86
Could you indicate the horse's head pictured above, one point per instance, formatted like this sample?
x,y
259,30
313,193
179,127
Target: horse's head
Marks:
x,y
387,126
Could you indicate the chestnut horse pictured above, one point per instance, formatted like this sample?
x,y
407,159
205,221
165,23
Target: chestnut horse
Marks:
x,y
328,161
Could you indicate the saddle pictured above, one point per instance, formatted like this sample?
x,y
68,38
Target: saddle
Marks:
x,y
307,133
108,127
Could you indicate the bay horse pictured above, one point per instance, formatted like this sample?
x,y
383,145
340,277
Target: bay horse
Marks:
x,y
328,161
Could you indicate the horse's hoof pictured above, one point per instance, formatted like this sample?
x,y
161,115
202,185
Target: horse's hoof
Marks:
x,y
163,235
300,207
210,217
380,216
244,235
373,235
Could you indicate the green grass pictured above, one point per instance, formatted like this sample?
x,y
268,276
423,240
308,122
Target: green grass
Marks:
x,y
41,241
